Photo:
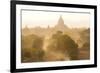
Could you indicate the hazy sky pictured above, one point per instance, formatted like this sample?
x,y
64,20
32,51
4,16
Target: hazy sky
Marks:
x,y
43,19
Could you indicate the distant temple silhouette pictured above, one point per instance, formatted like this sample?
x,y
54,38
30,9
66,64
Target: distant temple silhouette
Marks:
x,y
60,26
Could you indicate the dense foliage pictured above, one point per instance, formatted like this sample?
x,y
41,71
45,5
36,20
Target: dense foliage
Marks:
x,y
63,43
32,48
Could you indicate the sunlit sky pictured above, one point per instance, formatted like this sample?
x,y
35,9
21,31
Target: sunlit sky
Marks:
x,y
43,19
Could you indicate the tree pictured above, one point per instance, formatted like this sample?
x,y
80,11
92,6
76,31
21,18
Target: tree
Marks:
x,y
85,37
85,48
32,48
60,42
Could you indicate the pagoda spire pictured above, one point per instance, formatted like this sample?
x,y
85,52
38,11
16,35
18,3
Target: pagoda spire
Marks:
x,y
60,21
61,25
26,28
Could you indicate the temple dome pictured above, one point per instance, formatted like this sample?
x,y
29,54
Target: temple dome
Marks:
x,y
60,25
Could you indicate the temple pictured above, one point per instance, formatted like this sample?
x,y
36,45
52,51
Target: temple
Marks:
x,y
60,26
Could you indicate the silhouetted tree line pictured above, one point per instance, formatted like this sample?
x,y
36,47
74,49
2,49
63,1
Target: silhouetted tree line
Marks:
x,y
63,43
32,47
85,48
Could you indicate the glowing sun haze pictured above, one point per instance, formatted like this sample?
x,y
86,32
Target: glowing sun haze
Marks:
x,y
43,19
